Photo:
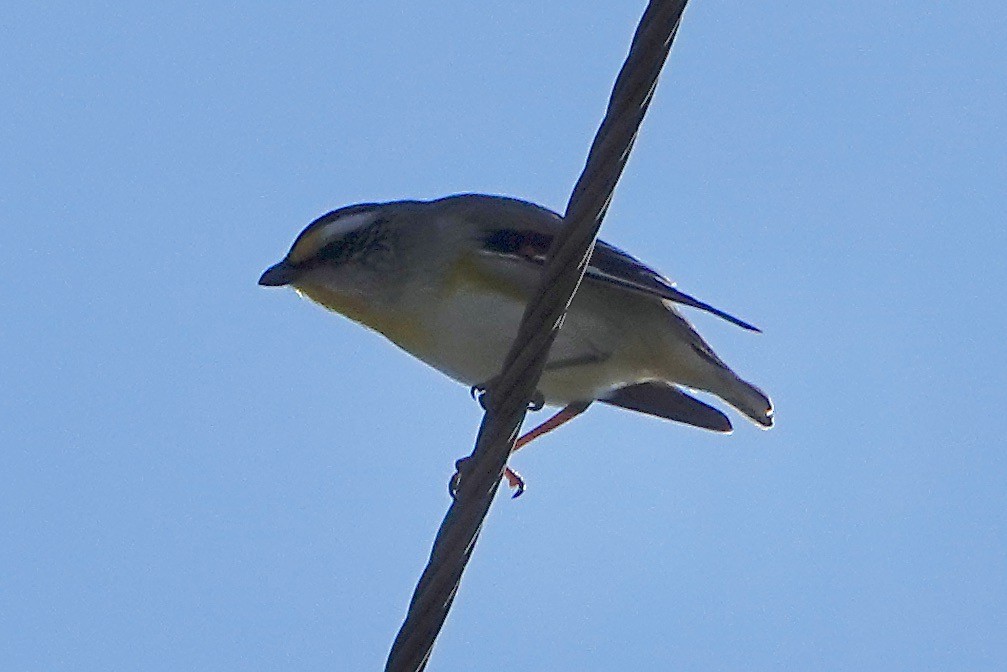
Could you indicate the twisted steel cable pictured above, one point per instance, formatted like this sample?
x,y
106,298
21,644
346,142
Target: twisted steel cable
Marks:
x,y
507,398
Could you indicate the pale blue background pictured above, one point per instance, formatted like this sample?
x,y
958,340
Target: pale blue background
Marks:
x,y
197,473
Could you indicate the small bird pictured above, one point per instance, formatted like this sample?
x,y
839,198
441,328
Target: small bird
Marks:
x,y
447,281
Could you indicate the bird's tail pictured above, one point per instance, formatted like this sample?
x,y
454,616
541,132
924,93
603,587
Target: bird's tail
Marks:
x,y
750,400
690,361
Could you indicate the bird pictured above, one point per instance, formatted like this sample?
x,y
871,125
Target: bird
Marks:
x,y
447,281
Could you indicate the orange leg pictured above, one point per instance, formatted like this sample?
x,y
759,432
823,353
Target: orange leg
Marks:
x,y
566,414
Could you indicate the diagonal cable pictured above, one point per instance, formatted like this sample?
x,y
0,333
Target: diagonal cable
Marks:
x,y
507,399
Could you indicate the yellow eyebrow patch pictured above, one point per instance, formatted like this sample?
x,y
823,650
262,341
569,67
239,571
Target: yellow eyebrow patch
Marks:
x,y
324,231
307,244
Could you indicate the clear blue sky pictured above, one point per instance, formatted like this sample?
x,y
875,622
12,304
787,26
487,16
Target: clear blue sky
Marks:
x,y
197,473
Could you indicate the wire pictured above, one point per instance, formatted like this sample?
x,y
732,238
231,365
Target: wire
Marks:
x,y
508,397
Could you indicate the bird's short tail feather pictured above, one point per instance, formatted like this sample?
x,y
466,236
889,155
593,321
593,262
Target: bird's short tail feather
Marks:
x,y
751,401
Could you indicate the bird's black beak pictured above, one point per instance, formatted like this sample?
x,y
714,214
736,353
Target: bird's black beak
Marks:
x,y
278,275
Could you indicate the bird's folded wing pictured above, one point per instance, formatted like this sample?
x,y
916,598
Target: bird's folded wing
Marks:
x,y
611,265
667,401
608,264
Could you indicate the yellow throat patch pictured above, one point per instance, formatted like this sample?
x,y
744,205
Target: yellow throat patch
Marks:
x,y
396,327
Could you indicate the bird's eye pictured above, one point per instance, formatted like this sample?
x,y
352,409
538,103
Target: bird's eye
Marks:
x,y
357,244
332,251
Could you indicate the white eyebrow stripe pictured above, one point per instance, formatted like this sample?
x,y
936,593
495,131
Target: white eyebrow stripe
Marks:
x,y
340,227
330,228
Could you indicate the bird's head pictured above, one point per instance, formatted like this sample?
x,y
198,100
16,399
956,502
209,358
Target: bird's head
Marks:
x,y
349,251
365,262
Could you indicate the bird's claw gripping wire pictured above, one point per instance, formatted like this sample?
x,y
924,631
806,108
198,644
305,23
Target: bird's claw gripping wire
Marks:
x,y
537,402
456,478
480,391
514,479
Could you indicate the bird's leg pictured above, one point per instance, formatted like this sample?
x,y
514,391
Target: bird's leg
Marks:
x,y
537,402
565,414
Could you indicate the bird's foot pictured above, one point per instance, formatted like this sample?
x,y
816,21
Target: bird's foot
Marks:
x,y
514,479
481,391
537,403
456,478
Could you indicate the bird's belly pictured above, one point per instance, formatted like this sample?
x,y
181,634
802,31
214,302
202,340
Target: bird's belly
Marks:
x,y
476,329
